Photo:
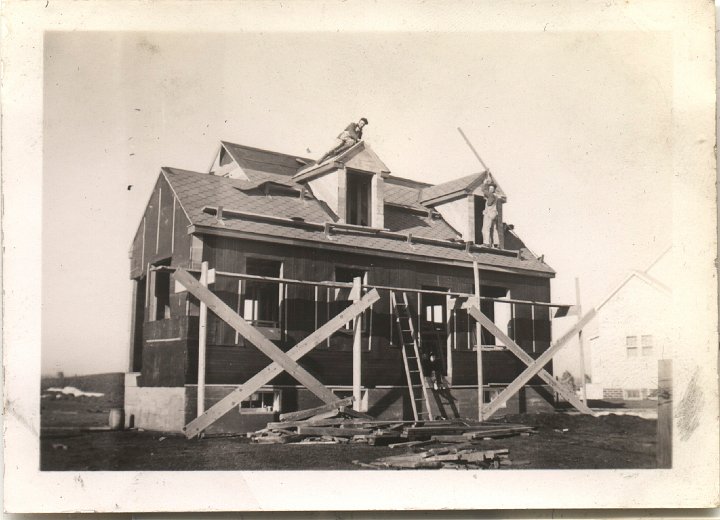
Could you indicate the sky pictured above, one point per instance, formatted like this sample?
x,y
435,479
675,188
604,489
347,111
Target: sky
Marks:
x,y
574,126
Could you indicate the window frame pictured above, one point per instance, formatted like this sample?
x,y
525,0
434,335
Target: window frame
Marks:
x,y
631,345
155,277
243,295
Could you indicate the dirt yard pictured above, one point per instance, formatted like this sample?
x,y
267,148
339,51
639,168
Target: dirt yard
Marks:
x,y
563,440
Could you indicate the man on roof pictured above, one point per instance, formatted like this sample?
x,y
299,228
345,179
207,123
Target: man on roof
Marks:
x,y
490,217
347,138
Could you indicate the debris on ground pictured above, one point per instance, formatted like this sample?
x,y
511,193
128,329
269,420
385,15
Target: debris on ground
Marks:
x,y
444,458
342,425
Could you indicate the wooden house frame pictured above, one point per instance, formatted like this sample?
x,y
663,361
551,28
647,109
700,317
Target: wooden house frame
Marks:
x,y
284,240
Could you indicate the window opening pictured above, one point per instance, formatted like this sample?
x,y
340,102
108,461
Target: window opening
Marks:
x,y
646,342
498,312
631,346
261,304
161,290
262,401
358,199
479,208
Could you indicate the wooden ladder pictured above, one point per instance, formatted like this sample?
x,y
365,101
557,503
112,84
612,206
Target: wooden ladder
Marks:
x,y
417,383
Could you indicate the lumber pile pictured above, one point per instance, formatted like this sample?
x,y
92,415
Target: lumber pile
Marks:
x,y
443,458
339,424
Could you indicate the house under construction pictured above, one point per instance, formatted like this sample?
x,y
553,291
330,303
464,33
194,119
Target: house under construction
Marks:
x,y
282,283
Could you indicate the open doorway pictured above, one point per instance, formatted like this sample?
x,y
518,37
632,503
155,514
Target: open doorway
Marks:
x,y
433,323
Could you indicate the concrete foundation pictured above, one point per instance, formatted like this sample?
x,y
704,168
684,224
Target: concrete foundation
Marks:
x,y
168,409
155,408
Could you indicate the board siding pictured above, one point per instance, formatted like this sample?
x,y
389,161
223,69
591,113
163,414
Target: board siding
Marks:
x,y
228,362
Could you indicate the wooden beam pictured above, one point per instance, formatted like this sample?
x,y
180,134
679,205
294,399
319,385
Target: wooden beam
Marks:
x,y
310,412
268,373
528,360
251,334
202,344
478,343
357,348
536,366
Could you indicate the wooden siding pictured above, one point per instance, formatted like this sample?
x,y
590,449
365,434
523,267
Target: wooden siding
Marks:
x,y
231,362
170,240
174,363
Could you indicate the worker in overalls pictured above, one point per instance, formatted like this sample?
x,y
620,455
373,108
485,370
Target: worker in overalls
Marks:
x,y
347,138
490,218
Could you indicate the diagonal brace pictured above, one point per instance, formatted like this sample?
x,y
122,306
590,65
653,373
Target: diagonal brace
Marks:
x,y
536,366
528,360
268,373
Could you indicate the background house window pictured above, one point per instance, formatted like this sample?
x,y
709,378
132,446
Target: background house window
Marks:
x,y
631,346
632,394
646,342
261,304
358,199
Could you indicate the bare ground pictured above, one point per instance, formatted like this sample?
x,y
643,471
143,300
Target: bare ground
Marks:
x,y
563,441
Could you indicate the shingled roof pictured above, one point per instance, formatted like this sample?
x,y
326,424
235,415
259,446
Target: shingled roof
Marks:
x,y
270,205
460,187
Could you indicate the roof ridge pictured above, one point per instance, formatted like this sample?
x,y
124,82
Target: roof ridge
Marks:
x,y
265,150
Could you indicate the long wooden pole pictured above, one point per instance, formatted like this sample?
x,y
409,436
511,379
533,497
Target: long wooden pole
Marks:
x,y
357,348
478,342
583,394
348,285
202,345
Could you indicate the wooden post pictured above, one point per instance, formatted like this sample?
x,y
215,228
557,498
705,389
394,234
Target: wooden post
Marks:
x,y
202,344
133,326
583,395
664,420
449,330
478,341
357,347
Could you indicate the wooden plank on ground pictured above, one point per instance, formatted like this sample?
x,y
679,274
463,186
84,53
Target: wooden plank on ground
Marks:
x,y
536,366
335,432
355,413
268,373
527,359
247,331
304,414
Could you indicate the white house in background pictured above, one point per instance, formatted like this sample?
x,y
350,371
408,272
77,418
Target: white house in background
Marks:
x,y
631,333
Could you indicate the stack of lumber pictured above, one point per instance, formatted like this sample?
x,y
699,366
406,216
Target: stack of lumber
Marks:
x,y
338,424
443,458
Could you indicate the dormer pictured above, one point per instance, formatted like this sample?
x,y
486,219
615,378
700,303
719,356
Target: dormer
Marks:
x,y
225,165
351,184
461,203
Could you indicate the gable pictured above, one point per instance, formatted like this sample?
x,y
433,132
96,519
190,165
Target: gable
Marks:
x,y
363,158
